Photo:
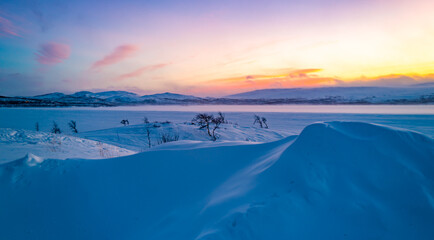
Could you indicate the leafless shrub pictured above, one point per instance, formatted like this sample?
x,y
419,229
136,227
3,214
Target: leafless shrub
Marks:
x,y
125,122
217,122
222,117
55,129
209,122
73,126
262,121
145,120
257,120
167,137
203,120
148,135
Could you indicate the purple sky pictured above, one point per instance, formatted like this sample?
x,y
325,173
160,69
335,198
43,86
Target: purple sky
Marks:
x,y
212,48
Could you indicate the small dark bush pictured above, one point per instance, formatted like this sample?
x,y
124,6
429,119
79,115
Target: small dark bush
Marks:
x,y
55,129
262,121
125,122
167,137
73,126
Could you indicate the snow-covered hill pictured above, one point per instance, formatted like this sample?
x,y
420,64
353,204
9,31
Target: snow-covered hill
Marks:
x,y
110,96
369,94
121,141
336,180
168,95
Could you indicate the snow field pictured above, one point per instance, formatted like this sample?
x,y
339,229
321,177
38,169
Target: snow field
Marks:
x,y
336,180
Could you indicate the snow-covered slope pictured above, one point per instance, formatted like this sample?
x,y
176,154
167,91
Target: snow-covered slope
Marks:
x,y
337,180
372,94
135,137
17,143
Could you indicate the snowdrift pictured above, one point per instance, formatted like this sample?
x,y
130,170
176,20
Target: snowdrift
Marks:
x,y
16,143
336,180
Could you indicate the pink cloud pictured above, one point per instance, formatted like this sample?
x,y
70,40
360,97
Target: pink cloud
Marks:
x,y
52,53
119,54
142,70
7,28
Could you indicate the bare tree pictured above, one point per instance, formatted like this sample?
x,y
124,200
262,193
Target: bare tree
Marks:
x,y
208,121
148,135
264,121
125,122
145,120
257,120
203,120
222,116
217,121
37,127
73,126
55,129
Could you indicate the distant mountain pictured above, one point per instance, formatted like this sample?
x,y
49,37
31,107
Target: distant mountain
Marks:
x,y
426,84
168,95
118,96
342,94
54,95
109,96
417,94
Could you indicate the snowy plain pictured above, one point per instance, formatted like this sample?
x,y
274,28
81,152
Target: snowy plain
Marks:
x,y
310,175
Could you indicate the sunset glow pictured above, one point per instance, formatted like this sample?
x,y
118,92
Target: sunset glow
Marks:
x,y
212,48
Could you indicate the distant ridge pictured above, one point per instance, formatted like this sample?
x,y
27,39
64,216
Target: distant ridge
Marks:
x,y
169,95
369,94
416,94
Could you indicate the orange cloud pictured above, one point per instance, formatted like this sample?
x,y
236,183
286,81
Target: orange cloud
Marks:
x,y
289,79
303,73
142,70
120,53
299,78
289,76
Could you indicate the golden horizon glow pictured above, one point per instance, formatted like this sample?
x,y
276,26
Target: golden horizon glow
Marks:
x,y
212,52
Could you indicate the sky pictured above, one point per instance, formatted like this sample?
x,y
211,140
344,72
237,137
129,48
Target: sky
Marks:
x,y
212,48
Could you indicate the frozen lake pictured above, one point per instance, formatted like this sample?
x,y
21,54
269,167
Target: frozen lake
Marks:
x,y
289,118
358,109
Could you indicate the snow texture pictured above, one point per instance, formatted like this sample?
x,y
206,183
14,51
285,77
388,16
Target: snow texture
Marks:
x,y
335,180
17,143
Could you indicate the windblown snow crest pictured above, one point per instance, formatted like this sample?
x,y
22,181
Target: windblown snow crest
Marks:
x,y
336,180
